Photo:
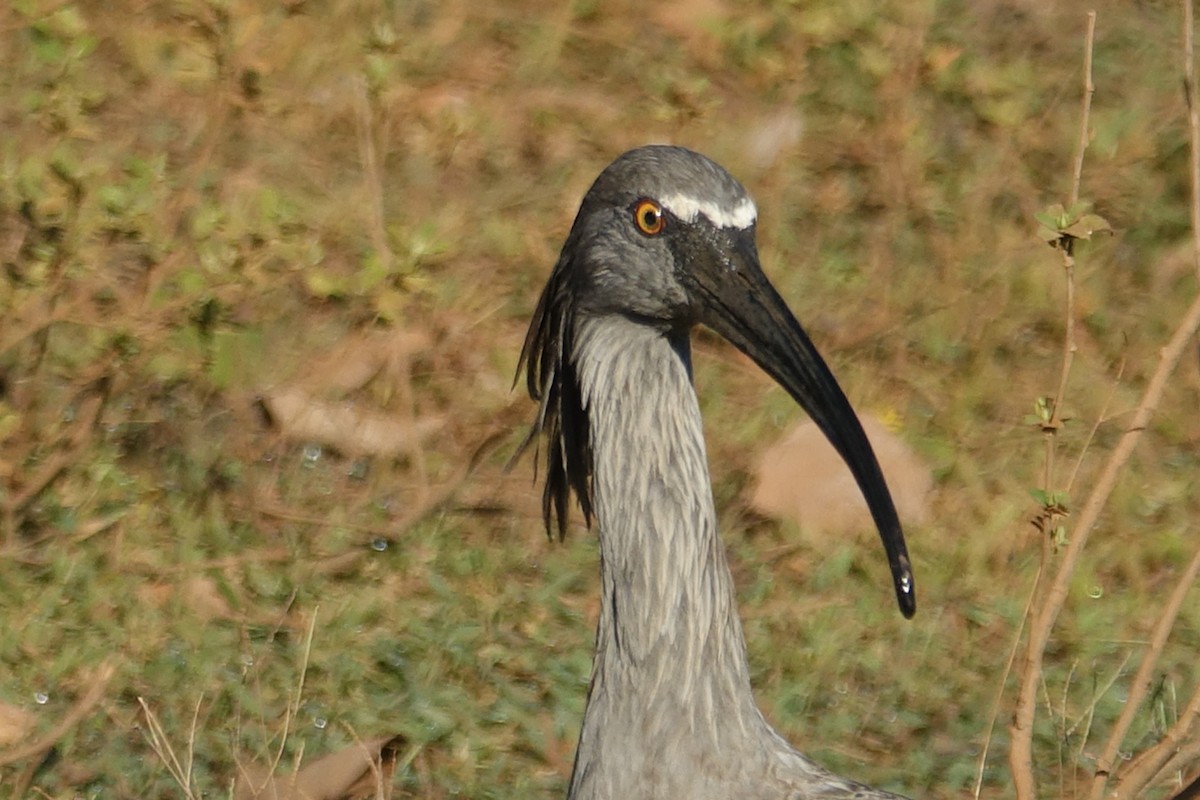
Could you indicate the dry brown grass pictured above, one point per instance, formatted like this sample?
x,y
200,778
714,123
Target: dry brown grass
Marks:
x,y
200,199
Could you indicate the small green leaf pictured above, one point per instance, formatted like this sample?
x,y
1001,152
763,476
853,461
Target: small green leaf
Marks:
x,y
1056,213
1076,211
1046,218
1048,235
114,198
84,47
1060,536
1043,408
373,272
1087,225
48,48
10,421
323,285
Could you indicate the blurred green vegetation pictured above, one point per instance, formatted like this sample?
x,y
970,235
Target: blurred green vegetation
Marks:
x,y
199,198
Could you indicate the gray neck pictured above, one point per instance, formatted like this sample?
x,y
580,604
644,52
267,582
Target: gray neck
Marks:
x,y
670,683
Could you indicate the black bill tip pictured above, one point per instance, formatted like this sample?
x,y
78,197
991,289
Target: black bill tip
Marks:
x,y
906,594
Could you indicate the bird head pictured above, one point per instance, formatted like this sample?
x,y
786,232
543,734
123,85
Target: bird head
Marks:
x,y
666,237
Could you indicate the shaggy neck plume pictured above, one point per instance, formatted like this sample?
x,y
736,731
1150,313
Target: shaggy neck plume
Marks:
x,y
670,682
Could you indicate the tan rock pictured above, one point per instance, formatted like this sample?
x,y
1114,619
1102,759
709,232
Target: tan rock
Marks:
x,y
803,479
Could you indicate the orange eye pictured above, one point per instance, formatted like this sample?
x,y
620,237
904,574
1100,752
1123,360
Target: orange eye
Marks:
x,y
649,217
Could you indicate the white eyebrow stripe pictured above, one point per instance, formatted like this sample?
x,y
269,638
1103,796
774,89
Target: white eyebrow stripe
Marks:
x,y
689,209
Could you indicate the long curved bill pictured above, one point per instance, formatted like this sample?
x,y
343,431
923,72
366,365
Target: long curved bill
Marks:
x,y
736,300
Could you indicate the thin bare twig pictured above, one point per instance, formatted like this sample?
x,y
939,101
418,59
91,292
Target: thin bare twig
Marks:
x,y
1021,750
1012,655
1185,756
1089,88
1068,256
1101,418
1189,792
1146,766
1145,675
1096,696
161,745
1039,634
1089,718
1193,109
1149,764
364,120
293,709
